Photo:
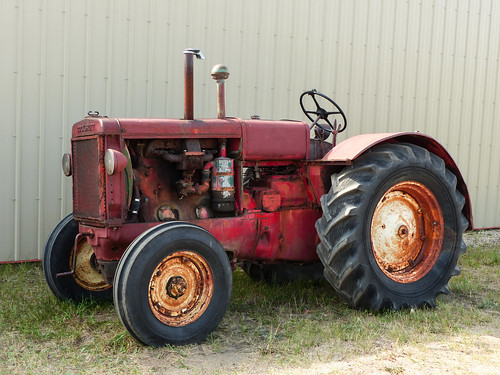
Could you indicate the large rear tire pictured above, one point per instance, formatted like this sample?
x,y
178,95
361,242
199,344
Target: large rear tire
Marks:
x,y
87,282
173,285
391,230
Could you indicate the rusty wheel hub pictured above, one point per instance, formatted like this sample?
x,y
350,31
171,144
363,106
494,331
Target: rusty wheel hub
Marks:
x,y
176,287
407,232
86,274
180,288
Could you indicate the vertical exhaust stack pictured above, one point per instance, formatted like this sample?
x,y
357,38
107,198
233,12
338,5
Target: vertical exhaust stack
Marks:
x,y
220,74
188,80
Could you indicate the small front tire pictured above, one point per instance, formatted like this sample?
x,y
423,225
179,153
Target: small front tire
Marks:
x,y
173,285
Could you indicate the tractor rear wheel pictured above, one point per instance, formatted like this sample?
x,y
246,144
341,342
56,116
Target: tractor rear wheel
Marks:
x,y
173,285
391,230
87,282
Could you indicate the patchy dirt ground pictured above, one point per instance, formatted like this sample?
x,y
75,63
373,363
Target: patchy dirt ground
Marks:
x,y
476,351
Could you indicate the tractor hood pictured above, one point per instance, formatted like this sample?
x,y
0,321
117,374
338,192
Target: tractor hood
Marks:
x,y
252,139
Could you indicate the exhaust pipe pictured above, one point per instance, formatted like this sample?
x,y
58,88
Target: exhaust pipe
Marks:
x,y
188,80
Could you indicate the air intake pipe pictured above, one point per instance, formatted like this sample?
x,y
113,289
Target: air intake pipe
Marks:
x,y
220,74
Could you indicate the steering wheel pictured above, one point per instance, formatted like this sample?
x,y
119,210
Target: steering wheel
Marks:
x,y
322,114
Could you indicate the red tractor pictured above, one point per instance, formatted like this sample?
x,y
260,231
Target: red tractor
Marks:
x,y
165,209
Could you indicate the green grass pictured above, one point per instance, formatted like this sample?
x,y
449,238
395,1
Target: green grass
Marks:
x,y
287,324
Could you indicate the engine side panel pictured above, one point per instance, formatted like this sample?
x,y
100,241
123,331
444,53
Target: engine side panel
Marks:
x,y
274,140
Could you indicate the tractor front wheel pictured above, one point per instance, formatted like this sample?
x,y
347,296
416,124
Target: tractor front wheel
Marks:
x,y
86,282
391,230
172,285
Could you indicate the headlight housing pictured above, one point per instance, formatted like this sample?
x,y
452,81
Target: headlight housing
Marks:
x,y
66,165
114,161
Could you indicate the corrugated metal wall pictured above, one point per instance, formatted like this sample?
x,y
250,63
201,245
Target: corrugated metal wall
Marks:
x,y
392,65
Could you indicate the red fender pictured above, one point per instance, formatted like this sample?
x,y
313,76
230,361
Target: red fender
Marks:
x,y
353,147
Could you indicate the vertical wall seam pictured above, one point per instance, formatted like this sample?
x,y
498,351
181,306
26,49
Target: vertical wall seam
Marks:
x,y
64,138
417,70
275,62
255,81
337,66
108,78
291,59
241,78
323,48
17,135
168,68
41,127
472,103
351,57
150,57
462,91
365,64
429,70
88,53
405,68
483,102
378,97
307,39
391,70
130,57
452,84
496,112
441,66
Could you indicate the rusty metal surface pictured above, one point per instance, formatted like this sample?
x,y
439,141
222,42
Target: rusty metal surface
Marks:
x,y
285,234
173,128
86,273
407,232
83,265
267,199
180,288
159,186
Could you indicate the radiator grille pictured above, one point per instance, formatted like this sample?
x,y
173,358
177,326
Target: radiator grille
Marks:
x,y
88,192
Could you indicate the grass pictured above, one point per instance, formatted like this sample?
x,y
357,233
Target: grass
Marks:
x,y
291,324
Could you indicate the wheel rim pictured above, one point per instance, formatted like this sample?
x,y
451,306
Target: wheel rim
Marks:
x,y
180,288
86,274
407,232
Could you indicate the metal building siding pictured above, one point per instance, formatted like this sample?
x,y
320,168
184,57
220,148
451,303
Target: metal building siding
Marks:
x,y
428,65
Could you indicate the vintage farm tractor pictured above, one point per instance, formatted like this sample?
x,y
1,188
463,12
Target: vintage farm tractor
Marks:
x,y
165,209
